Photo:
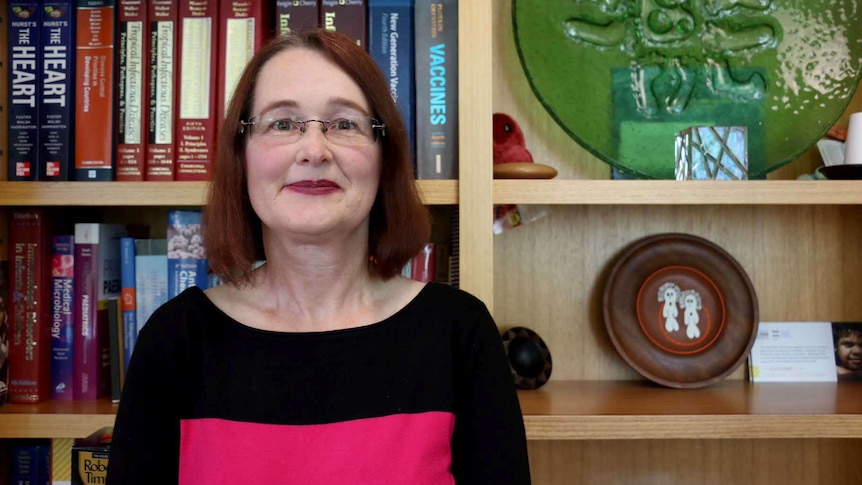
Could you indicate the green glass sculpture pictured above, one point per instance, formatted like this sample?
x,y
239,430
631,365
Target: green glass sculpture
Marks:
x,y
622,77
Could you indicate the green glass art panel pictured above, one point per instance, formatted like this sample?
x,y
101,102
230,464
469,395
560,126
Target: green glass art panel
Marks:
x,y
622,77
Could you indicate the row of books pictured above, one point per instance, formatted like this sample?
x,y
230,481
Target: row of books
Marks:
x,y
81,461
133,90
76,301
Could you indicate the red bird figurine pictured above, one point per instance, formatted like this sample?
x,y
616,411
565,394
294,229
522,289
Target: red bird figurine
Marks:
x,y
509,143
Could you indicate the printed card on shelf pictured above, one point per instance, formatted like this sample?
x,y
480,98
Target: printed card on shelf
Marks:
x,y
793,352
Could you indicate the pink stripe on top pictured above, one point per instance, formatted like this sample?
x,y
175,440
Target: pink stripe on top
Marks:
x,y
409,449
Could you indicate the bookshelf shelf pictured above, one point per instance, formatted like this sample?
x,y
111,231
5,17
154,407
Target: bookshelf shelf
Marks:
x,y
55,419
583,410
602,410
673,192
154,194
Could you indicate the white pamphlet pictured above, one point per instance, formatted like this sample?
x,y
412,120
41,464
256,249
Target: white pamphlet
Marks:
x,y
793,352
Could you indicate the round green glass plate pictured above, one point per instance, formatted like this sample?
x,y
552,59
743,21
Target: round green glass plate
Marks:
x,y
622,77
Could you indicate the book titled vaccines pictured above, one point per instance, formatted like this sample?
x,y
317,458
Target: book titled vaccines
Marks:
x,y
436,44
187,264
793,352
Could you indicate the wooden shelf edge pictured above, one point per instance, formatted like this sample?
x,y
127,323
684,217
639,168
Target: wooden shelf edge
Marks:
x,y
155,194
52,425
665,192
692,427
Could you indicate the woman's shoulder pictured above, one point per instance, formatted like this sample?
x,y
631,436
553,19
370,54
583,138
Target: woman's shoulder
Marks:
x,y
174,316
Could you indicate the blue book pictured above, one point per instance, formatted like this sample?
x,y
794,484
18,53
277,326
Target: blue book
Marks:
x,y
31,462
436,46
128,301
151,277
57,109
390,43
62,316
187,264
24,90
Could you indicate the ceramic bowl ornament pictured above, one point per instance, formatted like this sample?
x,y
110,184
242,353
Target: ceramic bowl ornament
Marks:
x,y
529,357
621,77
680,310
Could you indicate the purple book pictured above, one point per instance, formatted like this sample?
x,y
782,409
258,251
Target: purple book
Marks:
x,y
97,278
62,316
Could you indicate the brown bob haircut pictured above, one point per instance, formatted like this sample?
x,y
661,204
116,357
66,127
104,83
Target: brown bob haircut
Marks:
x,y
399,222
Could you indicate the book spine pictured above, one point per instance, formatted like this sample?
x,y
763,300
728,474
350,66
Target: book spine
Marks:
x,y
390,43
29,347
5,304
132,79
94,90
296,15
129,301
97,278
31,463
56,112
162,81
243,27
24,89
424,265
348,17
196,123
116,336
4,91
187,264
62,316
151,277
436,42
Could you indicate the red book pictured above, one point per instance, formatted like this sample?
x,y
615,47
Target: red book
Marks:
x,y
4,310
30,309
163,16
196,89
94,90
244,25
424,264
132,93
349,17
97,279
296,15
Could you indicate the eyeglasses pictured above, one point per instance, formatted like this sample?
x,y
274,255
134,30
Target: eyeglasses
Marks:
x,y
342,131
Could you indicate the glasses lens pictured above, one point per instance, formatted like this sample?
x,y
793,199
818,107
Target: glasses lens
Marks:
x,y
350,131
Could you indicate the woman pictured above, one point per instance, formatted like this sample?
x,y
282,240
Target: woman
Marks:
x,y
322,365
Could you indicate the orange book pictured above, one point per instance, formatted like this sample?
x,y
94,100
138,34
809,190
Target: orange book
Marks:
x,y
94,90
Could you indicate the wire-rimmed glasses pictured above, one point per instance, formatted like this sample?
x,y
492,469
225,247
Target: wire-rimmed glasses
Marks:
x,y
345,130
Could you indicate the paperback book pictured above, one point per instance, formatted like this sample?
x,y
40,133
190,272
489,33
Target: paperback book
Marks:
x,y
187,264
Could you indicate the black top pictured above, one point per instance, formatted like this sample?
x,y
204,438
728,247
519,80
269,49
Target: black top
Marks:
x,y
423,396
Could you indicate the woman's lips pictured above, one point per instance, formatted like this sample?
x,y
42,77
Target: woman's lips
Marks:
x,y
314,187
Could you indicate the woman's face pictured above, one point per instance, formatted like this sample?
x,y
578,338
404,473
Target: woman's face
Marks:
x,y
849,350
311,187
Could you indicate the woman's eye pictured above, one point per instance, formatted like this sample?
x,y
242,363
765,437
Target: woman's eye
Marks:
x,y
282,125
343,124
